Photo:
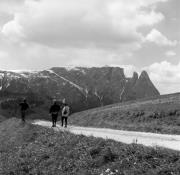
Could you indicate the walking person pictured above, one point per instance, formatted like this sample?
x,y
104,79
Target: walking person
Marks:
x,y
65,115
54,110
24,107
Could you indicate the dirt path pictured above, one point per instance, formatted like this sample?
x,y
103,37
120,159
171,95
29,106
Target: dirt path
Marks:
x,y
147,139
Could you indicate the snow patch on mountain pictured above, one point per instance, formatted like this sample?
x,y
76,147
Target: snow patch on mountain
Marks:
x,y
11,76
70,68
122,92
1,85
83,71
23,71
1,75
7,85
25,75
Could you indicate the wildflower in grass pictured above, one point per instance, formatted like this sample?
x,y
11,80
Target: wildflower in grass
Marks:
x,y
111,173
108,170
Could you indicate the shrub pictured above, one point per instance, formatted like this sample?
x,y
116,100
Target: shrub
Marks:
x,y
172,112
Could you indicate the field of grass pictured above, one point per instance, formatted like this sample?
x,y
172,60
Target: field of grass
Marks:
x,y
2,118
156,116
34,150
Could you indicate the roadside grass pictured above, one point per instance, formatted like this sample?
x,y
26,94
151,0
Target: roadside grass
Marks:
x,y
30,149
2,118
158,118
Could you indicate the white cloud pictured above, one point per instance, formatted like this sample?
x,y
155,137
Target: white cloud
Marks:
x,y
95,23
157,37
14,33
9,7
129,70
3,54
166,76
46,33
170,53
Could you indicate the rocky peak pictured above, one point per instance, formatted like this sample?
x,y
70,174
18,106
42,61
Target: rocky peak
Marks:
x,y
144,86
144,75
135,76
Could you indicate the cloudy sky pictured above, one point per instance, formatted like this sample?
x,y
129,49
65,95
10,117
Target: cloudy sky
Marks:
x,y
134,34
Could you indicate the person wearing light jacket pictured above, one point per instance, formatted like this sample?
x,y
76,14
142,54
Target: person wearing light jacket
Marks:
x,y
65,115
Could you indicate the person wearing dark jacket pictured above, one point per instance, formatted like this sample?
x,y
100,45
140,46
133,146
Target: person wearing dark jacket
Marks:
x,y
54,110
24,106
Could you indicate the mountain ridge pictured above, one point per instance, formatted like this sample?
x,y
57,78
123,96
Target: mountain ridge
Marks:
x,y
82,87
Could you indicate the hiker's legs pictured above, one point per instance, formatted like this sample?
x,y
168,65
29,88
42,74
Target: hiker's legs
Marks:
x,y
62,120
23,116
65,118
55,119
52,120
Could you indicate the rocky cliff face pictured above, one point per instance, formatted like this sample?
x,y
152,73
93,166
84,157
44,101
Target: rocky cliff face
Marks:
x,y
144,87
82,87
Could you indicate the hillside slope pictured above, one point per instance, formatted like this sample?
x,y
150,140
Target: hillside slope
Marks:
x,y
28,149
158,115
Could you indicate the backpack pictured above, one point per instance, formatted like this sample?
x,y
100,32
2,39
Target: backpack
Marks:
x,y
65,111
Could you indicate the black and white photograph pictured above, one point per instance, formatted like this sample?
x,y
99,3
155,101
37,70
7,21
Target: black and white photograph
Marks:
x,y
89,87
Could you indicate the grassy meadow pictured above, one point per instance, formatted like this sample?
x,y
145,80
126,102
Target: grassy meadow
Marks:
x,y
147,117
34,150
